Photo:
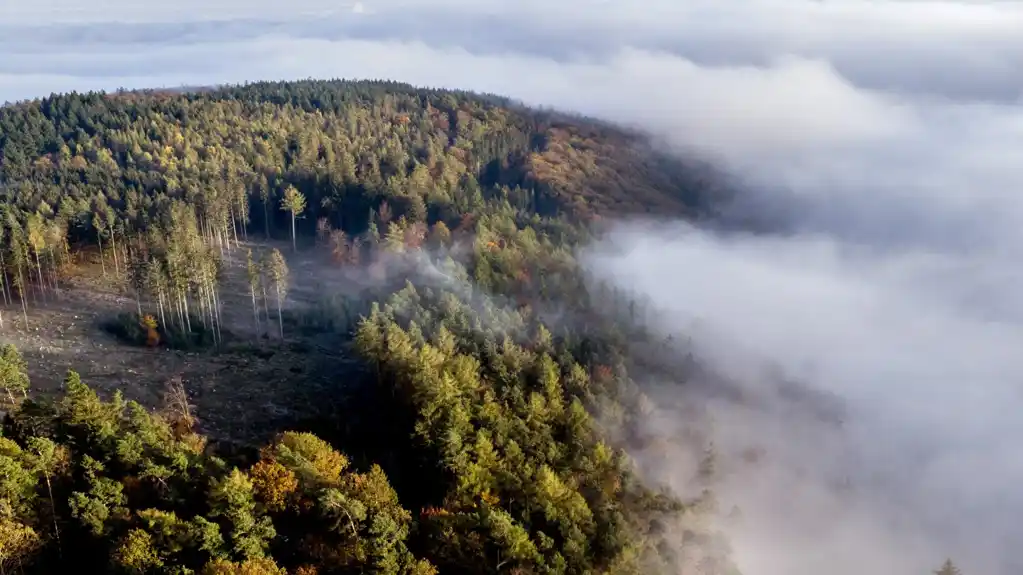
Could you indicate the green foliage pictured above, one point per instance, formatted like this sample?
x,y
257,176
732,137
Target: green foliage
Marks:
x,y
477,453
13,374
232,499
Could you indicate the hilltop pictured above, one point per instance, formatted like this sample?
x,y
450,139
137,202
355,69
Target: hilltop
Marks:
x,y
327,327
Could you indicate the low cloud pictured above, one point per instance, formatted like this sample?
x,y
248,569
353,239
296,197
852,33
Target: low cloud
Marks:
x,y
926,462
879,141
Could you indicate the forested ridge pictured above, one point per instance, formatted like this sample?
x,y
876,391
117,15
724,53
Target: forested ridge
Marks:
x,y
486,389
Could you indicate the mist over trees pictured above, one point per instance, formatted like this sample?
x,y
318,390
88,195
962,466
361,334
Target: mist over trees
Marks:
x,y
479,441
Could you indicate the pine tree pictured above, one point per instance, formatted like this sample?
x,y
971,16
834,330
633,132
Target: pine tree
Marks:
x,y
13,374
242,209
440,235
277,269
294,203
110,219
264,196
138,276
3,271
19,257
100,228
36,233
60,252
156,283
394,240
252,271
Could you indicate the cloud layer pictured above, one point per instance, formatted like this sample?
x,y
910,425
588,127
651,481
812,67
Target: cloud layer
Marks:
x,y
930,386
882,140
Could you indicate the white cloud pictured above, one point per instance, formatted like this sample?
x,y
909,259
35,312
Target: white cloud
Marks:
x,y
886,136
930,385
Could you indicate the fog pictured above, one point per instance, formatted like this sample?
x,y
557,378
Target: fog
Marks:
x,y
929,382
881,141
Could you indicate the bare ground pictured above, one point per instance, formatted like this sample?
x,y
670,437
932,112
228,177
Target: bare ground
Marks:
x,y
254,386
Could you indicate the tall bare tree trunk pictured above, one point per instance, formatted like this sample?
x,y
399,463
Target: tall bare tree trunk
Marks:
x,y
255,308
294,246
188,320
280,315
159,303
54,272
42,282
117,265
102,260
266,306
3,279
266,219
216,308
234,228
24,306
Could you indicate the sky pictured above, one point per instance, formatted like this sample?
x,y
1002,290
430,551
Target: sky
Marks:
x,y
881,141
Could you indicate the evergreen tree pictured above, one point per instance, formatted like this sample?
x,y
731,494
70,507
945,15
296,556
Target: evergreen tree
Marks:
x,y
253,275
295,204
277,269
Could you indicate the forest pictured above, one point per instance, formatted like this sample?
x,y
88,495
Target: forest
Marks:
x,y
455,394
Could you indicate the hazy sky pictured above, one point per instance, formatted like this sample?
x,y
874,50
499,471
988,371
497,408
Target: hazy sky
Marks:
x,y
885,137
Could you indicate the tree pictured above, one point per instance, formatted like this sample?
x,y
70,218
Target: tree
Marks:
x,y
253,275
100,228
156,283
394,239
294,203
948,568
3,272
35,229
384,216
264,196
417,210
259,566
240,212
277,269
273,483
17,543
19,256
138,277
207,273
503,446
233,499
323,230
339,245
110,220
13,374
60,252
440,235
46,458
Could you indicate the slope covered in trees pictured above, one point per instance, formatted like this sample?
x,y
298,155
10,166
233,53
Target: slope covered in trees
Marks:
x,y
477,415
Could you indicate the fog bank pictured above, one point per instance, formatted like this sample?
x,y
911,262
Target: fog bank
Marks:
x,y
881,141
927,462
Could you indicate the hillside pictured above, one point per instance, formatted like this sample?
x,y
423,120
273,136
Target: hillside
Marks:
x,y
325,327
342,144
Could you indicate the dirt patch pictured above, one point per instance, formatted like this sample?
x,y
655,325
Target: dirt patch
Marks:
x,y
256,383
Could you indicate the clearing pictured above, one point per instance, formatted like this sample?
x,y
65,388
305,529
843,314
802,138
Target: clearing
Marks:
x,y
255,384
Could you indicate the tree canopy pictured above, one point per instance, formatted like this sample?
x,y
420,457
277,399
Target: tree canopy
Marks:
x,y
478,440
